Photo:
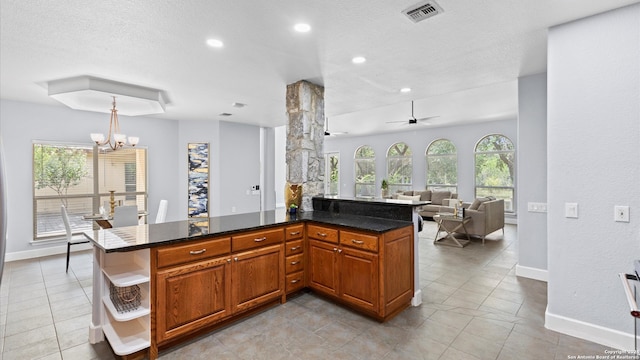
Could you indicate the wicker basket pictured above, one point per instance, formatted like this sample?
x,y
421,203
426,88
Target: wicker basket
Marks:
x,y
125,298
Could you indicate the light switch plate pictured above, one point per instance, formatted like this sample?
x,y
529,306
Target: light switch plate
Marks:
x,y
571,210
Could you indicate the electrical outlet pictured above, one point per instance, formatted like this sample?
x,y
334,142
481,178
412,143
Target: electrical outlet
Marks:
x,y
571,210
621,213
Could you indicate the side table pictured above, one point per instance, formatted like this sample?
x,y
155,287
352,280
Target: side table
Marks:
x,y
450,224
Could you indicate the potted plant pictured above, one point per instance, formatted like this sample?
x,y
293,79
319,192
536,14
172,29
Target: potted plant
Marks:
x,y
385,188
293,208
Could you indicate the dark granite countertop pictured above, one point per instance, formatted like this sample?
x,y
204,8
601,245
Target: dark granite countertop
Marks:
x,y
131,238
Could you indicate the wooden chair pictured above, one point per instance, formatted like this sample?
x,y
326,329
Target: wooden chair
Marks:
x,y
125,216
70,240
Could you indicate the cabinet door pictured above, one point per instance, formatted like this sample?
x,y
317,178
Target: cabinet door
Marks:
x,y
257,277
359,278
192,296
323,267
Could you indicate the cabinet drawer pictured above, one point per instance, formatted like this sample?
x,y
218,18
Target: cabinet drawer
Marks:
x,y
293,232
360,241
195,251
294,281
294,247
322,233
294,263
257,239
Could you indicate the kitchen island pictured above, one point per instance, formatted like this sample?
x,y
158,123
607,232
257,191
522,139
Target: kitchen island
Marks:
x,y
193,276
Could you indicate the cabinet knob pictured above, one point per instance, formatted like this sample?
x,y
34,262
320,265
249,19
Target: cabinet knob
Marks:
x,y
197,252
339,251
235,259
335,249
229,261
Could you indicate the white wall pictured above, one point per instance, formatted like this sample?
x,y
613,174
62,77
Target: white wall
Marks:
x,y
463,137
532,176
21,123
593,160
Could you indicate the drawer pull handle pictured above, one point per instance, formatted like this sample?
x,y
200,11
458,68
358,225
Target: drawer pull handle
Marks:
x,y
295,248
295,281
197,252
260,239
321,234
359,242
295,262
294,233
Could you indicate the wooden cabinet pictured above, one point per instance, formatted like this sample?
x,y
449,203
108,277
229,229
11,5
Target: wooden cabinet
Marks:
x,y
192,296
295,261
257,277
370,272
202,283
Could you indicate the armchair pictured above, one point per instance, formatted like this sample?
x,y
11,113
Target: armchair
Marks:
x,y
486,215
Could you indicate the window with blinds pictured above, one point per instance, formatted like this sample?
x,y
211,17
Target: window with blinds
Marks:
x,y
81,178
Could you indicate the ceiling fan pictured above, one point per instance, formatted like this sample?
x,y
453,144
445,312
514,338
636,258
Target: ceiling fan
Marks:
x,y
326,129
413,119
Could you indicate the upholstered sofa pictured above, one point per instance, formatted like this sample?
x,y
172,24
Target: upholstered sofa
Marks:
x,y
439,199
487,216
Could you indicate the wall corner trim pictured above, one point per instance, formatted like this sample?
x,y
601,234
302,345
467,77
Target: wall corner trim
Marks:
x,y
532,273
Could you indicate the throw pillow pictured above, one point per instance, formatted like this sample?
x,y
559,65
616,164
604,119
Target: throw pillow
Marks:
x,y
424,195
476,204
407,197
438,196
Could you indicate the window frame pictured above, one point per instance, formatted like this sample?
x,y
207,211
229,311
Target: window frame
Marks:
x,y
327,176
92,194
403,186
370,186
447,187
510,205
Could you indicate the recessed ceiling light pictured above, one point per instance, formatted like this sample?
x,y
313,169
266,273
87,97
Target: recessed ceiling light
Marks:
x,y
215,43
238,105
303,28
358,60
405,90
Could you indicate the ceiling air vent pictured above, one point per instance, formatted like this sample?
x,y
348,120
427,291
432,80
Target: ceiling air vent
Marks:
x,y
422,11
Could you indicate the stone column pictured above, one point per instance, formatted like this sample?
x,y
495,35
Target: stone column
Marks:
x,y
305,139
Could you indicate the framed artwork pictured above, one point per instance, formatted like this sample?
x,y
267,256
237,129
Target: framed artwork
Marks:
x,y
198,154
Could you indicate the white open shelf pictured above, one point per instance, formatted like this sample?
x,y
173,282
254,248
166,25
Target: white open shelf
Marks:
x,y
141,311
126,274
127,337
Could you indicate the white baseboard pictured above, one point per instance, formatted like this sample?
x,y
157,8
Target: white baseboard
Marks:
x,y
417,298
591,332
532,273
42,252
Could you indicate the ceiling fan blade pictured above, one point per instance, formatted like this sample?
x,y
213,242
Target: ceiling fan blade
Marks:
x,y
428,118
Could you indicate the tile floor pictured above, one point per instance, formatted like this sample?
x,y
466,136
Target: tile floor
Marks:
x,y
474,307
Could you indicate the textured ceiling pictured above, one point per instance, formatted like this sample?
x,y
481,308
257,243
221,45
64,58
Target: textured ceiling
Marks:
x,y
462,64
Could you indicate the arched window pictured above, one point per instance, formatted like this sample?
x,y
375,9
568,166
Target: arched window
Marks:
x,y
399,167
496,169
365,169
442,166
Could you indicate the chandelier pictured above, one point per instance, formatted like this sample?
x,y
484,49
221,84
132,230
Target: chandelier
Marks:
x,y
119,139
